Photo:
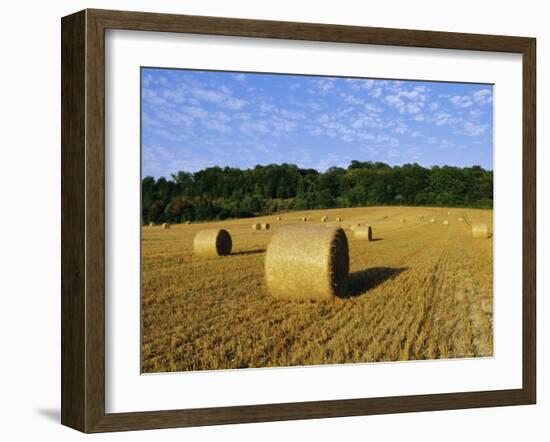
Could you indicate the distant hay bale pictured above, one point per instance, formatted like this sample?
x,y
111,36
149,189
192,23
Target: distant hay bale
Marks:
x,y
303,218
256,226
432,220
187,222
355,226
307,262
445,223
151,224
480,230
460,219
324,219
212,242
403,220
448,213
279,218
265,226
339,219
165,226
363,233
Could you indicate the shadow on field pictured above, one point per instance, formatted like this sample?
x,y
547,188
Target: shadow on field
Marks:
x,y
250,252
376,239
363,280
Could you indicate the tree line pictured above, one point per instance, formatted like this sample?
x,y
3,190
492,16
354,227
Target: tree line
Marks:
x,y
217,193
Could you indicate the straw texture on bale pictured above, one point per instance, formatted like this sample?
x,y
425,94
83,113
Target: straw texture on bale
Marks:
x,y
265,226
363,233
355,226
256,226
307,263
165,226
212,242
480,230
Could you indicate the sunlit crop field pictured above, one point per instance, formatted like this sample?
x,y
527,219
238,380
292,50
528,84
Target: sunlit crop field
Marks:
x,y
420,290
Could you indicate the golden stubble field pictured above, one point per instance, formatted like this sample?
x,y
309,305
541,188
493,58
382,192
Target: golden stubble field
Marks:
x,y
420,290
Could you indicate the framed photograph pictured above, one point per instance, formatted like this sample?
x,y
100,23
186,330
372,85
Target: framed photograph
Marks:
x,y
268,221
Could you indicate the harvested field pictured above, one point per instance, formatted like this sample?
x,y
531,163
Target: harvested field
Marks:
x,y
419,290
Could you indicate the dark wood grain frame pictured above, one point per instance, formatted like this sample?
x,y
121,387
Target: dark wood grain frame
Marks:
x,y
83,220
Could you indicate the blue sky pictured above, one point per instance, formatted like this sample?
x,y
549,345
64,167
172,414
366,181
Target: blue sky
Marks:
x,y
196,119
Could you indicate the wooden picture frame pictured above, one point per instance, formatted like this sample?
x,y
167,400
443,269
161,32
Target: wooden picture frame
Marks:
x,y
83,220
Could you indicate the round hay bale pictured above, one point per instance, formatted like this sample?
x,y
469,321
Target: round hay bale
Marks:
x,y
363,233
445,223
256,226
279,218
265,226
355,226
165,226
432,220
460,219
480,230
403,220
187,222
307,262
324,219
212,242
304,218
339,219
151,224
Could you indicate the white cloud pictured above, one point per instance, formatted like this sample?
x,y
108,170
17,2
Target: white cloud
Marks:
x,y
375,93
461,101
483,96
351,99
473,129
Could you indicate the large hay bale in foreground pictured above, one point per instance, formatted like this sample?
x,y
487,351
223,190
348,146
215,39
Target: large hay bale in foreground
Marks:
x,y
256,226
165,226
265,226
363,233
480,230
212,242
307,262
